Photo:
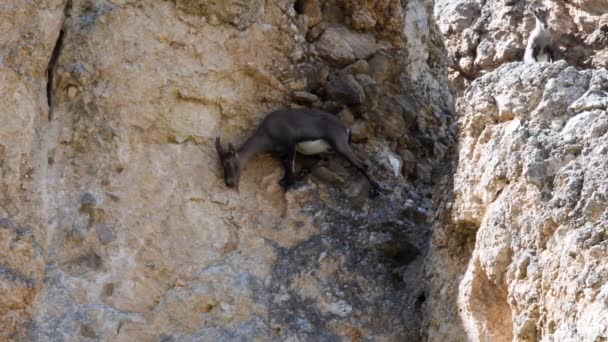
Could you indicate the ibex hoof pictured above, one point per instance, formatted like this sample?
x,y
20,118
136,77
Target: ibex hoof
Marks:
x,y
285,183
373,192
303,173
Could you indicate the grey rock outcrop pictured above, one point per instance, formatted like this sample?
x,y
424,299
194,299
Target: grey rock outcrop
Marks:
x,y
519,248
482,35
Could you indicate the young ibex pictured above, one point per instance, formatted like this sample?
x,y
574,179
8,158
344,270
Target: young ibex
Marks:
x,y
540,45
284,131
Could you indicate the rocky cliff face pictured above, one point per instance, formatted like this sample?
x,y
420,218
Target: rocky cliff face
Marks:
x,y
525,240
115,223
482,35
520,241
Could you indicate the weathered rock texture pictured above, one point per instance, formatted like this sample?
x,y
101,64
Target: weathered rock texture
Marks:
x,y
482,35
520,246
115,223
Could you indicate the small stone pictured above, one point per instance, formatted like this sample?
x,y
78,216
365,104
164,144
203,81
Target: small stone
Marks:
x,y
341,46
72,92
326,175
372,92
423,172
362,20
228,310
315,75
359,67
297,54
105,234
304,97
409,162
303,23
536,173
395,163
322,256
340,308
393,126
87,200
466,65
315,32
360,131
345,90
357,189
332,107
7,223
311,9
347,116
296,83
213,20
409,108
334,49
107,289
382,67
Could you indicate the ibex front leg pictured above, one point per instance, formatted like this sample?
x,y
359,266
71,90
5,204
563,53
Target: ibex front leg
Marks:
x,y
288,164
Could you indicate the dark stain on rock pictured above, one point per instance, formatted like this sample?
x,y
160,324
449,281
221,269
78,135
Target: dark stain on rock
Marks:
x,y
84,263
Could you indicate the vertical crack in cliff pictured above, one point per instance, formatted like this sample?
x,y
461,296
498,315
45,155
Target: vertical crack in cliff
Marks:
x,y
50,70
50,73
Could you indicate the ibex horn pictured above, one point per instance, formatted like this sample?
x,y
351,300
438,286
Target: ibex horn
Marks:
x,y
218,147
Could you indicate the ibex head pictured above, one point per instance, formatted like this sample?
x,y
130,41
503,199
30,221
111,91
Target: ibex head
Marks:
x,y
540,13
230,163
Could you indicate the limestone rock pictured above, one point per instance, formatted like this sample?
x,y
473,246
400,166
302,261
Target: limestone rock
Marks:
x,y
345,89
316,75
359,67
531,186
304,97
240,13
347,116
310,8
372,91
480,36
341,46
382,67
361,131
362,20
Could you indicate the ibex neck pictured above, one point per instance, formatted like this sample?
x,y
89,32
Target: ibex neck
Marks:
x,y
539,24
254,145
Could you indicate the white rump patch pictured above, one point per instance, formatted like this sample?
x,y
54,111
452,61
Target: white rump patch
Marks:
x,y
312,147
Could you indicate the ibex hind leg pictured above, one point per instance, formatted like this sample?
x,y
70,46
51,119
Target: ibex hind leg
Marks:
x,y
341,146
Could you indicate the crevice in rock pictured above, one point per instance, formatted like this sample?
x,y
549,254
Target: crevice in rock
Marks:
x,y
50,73
50,70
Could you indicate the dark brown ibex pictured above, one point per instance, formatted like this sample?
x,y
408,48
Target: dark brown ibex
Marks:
x,y
284,131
